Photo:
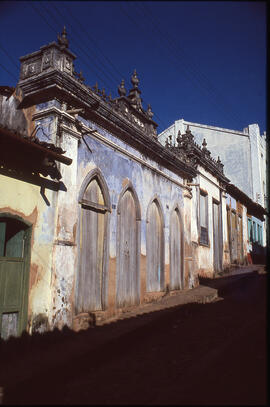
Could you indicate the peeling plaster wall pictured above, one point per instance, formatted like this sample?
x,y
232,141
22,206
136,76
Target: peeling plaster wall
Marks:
x,y
117,169
235,205
19,120
24,200
205,254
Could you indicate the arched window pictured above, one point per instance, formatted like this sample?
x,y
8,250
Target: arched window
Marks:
x,y
91,294
155,247
176,250
128,248
15,237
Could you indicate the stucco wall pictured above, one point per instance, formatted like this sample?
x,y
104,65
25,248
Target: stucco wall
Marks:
x,y
231,146
25,200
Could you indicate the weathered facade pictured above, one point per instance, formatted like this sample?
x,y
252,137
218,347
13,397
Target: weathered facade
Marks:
x,y
108,218
96,215
243,154
208,234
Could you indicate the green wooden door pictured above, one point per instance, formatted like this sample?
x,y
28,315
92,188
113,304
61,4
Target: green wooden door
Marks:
x,y
14,256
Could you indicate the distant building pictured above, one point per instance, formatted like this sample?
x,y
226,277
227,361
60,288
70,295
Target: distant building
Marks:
x,y
243,154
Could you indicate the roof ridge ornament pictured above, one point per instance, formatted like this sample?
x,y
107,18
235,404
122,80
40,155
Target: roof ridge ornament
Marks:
x,y
149,112
121,89
204,144
62,40
134,93
134,79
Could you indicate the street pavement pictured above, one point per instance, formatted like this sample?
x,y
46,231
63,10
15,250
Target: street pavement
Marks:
x,y
205,346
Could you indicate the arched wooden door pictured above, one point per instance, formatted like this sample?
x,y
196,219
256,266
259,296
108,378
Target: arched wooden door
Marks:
x,y
176,251
127,284
154,248
14,276
92,276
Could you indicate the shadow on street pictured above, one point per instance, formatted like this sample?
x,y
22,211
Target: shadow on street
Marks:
x,y
190,354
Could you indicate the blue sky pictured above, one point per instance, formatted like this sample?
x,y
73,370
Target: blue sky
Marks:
x,y
201,61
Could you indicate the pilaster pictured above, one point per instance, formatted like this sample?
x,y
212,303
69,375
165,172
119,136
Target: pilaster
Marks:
x,y
189,280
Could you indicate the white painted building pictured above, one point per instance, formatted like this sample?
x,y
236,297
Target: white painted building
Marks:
x,y
243,154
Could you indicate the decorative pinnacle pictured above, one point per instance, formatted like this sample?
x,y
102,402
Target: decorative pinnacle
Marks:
x,y
80,77
188,131
62,40
134,79
178,137
95,87
218,160
149,112
204,144
121,89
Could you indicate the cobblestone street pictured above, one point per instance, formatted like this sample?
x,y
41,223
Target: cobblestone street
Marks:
x,y
212,353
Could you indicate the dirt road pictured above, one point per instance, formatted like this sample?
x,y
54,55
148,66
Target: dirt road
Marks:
x,y
192,354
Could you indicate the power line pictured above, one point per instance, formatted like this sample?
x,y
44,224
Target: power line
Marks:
x,y
79,38
82,28
205,79
201,81
10,57
56,32
10,73
93,40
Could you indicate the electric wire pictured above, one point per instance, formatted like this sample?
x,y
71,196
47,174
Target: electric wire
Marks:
x,y
215,92
111,64
95,42
190,68
9,56
53,16
10,73
200,82
86,62
111,78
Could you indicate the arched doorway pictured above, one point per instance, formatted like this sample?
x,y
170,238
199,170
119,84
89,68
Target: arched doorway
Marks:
x,y
128,251
15,238
154,247
176,250
91,292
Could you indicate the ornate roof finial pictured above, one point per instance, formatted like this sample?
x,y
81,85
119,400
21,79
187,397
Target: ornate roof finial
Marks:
x,y
134,93
134,79
95,87
62,40
218,160
121,89
103,93
80,77
204,144
188,131
149,112
178,139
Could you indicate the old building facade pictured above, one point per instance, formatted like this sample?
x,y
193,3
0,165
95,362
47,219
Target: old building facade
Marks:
x,y
96,215
243,154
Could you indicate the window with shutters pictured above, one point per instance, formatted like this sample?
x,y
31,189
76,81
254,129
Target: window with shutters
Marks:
x,y
203,215
254,229
249,230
